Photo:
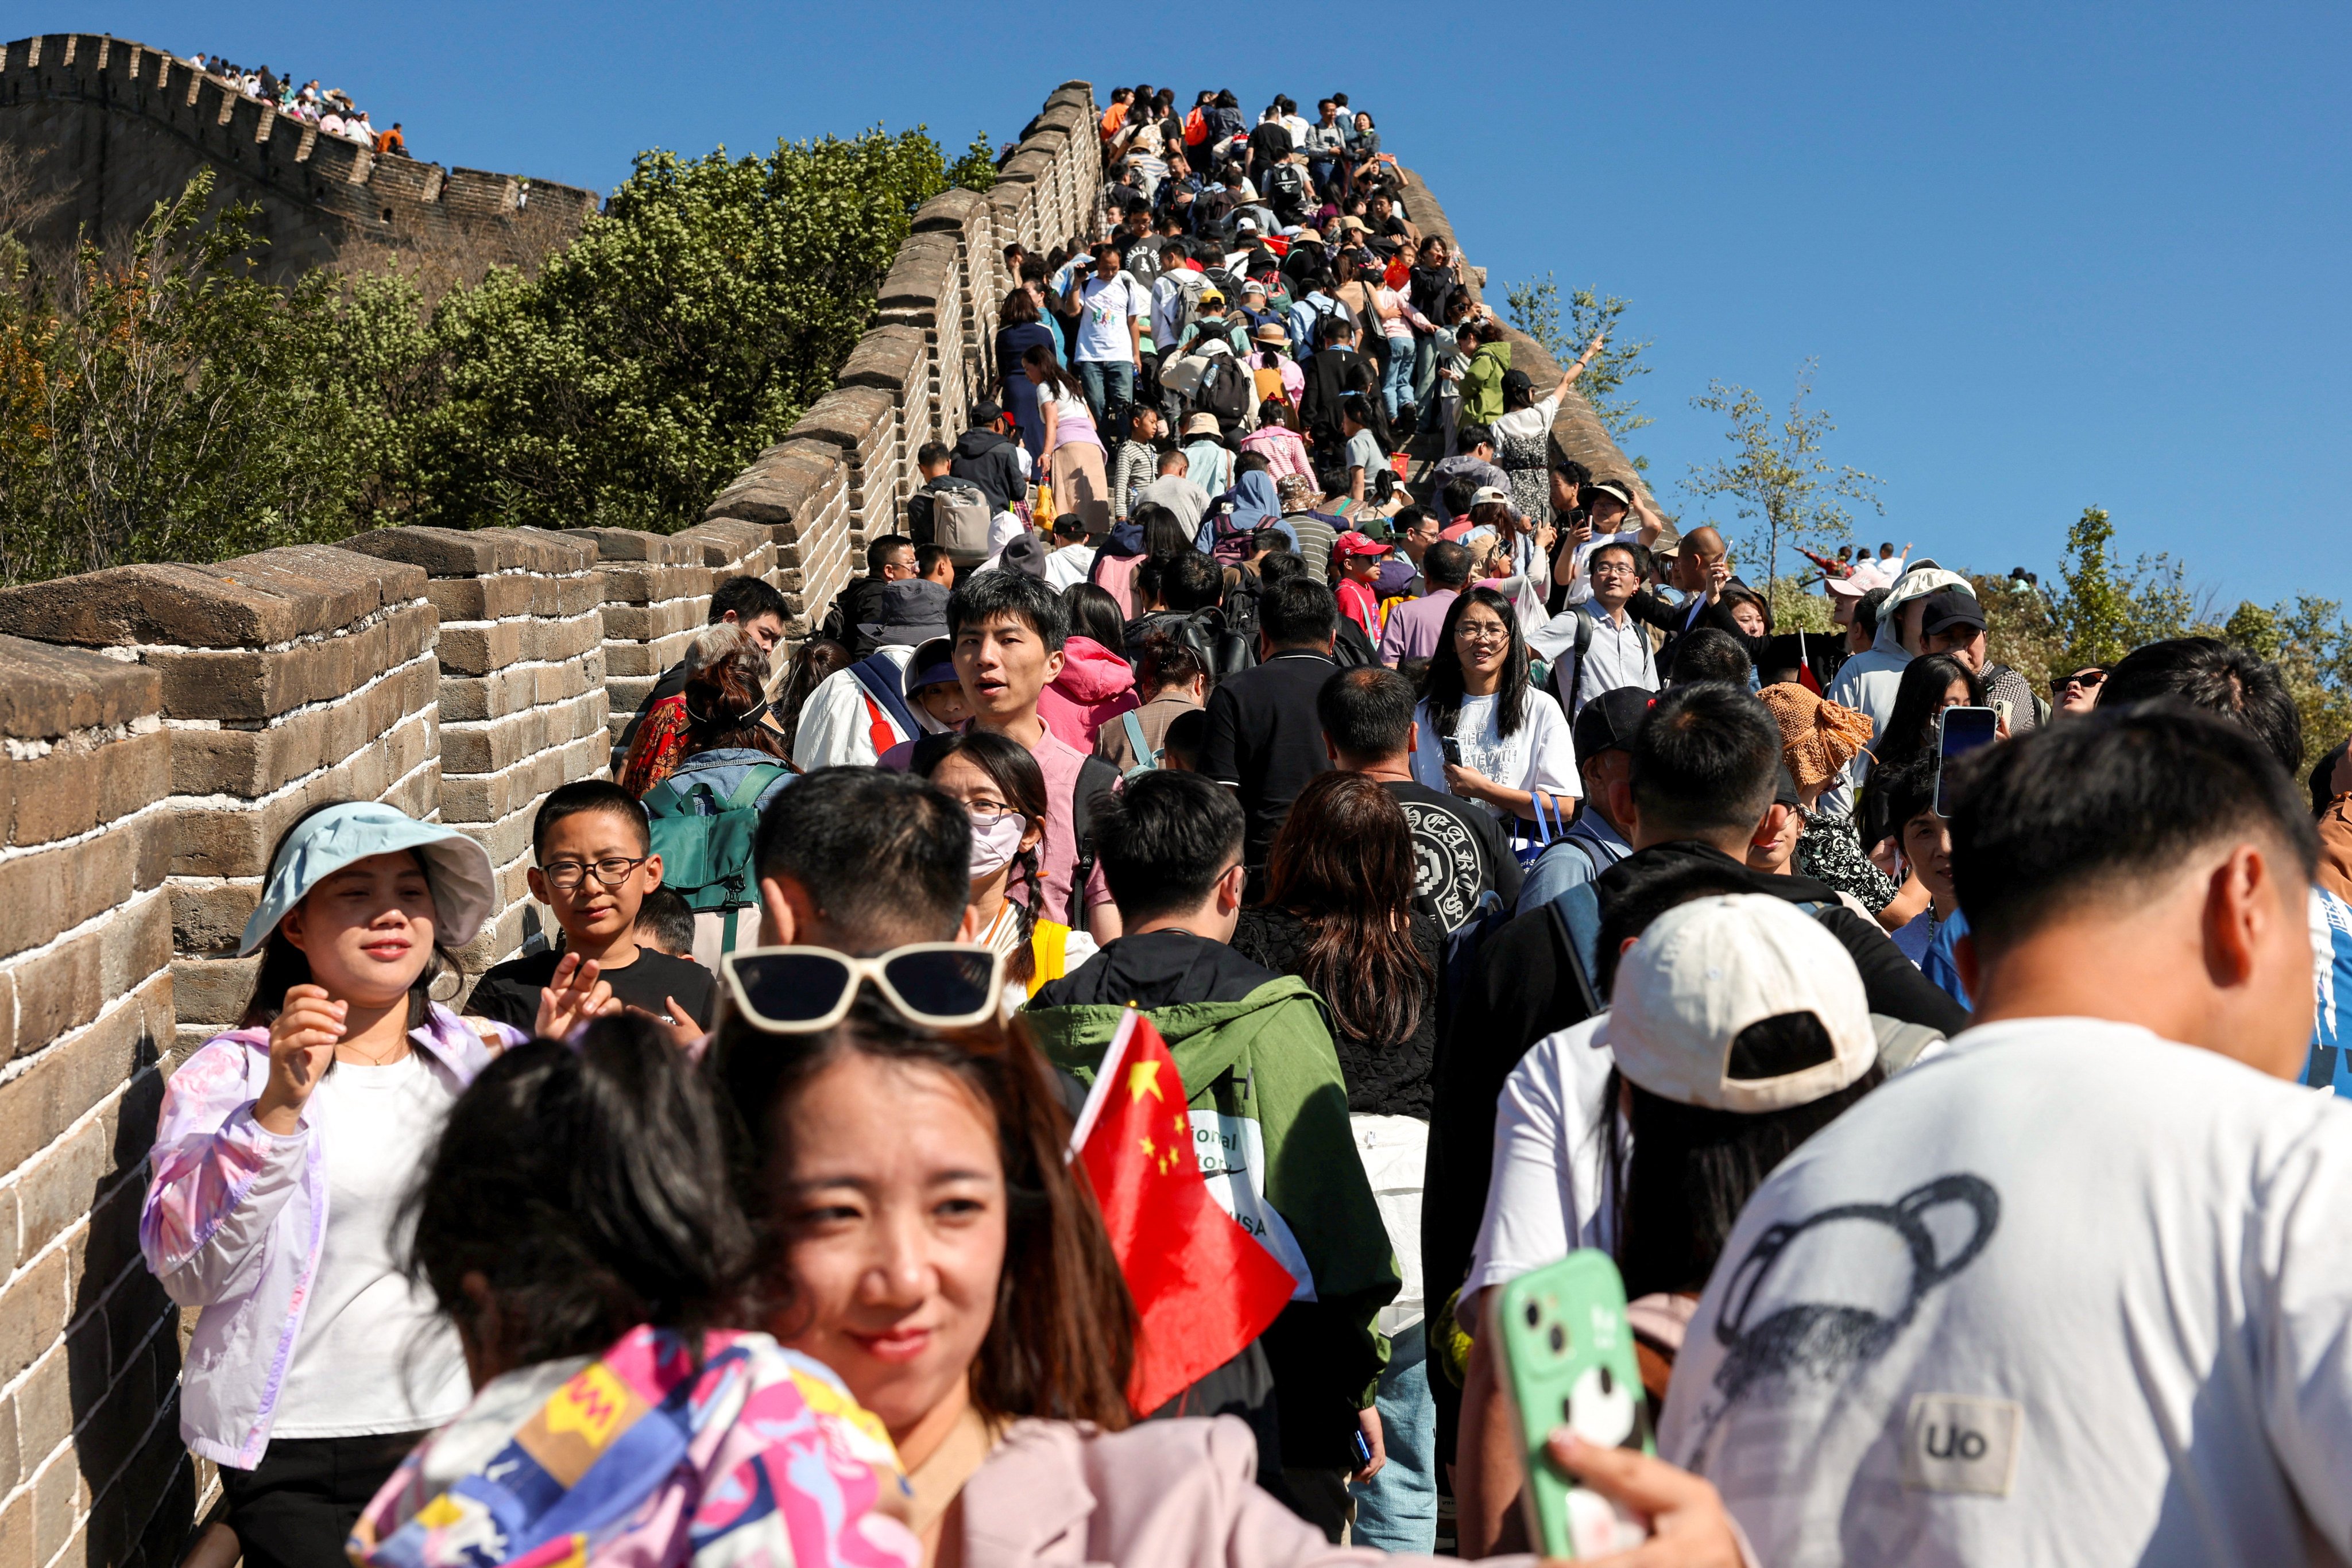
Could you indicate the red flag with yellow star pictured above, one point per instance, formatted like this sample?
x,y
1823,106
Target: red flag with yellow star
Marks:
x,y
1203,1287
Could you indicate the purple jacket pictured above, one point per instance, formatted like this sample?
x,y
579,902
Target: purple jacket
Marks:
x,y
235,1220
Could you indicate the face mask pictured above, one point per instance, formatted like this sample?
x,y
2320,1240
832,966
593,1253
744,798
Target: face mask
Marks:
x,y
993,847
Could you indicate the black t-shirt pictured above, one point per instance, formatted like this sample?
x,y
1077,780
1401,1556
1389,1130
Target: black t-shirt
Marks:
x,y
509,992
1270,141
1263,738
1458,852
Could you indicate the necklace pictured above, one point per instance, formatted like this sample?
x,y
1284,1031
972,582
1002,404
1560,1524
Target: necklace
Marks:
x,y
398,1051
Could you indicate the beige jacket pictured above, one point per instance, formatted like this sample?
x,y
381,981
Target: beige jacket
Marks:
x,y
1164,1494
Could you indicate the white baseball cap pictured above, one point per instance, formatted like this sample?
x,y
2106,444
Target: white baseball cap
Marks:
x,y
1707,970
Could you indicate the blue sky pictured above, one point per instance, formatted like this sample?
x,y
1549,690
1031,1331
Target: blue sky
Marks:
x,y
2047,255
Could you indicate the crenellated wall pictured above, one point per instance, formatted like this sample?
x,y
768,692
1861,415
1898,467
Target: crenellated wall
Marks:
x,y
161,725
113,127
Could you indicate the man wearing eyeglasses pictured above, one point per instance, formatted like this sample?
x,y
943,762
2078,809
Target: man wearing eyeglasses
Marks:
x,y
1616,651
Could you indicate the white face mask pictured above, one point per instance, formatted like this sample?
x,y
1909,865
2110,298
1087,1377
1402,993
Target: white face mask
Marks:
x,y
992,848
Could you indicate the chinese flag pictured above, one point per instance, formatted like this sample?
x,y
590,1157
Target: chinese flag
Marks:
x,y
1204,1288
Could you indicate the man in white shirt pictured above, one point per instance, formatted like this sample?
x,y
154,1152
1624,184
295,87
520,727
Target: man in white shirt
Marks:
x,y
1609,506
2076,1291
1113,310
854,715
1617,651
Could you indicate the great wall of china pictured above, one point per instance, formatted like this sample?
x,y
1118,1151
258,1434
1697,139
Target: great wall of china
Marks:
x,y
160,724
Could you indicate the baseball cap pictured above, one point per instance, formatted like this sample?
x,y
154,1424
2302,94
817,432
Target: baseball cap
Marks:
x,y
932,665
986,413
1486,493
1209,293
1948,608
1609,720
1354,543
1516,381
1846,587
1246,225
1616,487
1708,971
1025,554
458,869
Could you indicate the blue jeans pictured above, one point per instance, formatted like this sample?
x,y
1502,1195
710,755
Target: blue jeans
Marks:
x,y
1396,386
1106,382
1396,1510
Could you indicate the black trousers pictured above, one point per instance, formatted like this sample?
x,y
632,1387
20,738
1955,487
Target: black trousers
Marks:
x,y
295,1509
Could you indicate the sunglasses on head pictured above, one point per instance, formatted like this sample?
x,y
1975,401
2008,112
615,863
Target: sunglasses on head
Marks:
x,y
802,990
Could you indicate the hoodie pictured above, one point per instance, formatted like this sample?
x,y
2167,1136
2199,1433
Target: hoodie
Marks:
x,y
989,461
1269,1109
1096,686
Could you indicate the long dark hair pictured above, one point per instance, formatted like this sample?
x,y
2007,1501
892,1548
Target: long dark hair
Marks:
x,y
1062,1340
1343,862
1693,1169
818,657
1014,770
1911,729
1020,308
1038,356
588,1184
283,965
1445,689
726,700
1094,614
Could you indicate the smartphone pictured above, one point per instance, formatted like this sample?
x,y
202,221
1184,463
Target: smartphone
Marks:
x,y
1958,731
1452,750
1568,1360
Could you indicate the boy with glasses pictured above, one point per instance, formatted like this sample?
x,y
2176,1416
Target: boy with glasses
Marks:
x,y
596,864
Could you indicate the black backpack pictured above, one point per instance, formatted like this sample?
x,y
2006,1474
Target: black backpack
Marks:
x,y
1225,391
1568,669
1097,779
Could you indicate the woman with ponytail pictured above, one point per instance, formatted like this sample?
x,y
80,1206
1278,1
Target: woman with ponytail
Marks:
x,y
1003,789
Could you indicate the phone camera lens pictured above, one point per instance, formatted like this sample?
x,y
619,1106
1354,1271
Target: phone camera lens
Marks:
x,y
1535,1314
1559,1339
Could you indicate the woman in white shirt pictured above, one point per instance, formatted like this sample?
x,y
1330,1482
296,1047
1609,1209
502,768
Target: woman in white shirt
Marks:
x,y
1488,733
1074,449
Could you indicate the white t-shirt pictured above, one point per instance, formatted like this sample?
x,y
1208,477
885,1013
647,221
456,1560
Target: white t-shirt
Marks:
x,y
1582,589
1104,311
1548,1193
2069,1294
1541,755
374,1355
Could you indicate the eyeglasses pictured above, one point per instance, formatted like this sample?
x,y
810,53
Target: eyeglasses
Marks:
x,y
1481,634
2089,680
1613,569
802,991
986,815
565,876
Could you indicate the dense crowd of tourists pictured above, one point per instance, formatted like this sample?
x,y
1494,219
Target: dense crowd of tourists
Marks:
x,y
1070,1061
330,110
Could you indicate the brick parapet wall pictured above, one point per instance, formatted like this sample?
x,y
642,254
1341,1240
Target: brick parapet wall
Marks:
x,y
841,476
115,126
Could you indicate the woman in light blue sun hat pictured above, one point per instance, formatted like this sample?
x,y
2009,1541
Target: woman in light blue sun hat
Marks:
x,y
285,1151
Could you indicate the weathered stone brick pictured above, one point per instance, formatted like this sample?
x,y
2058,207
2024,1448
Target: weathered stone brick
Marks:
x,y
32,1314
65,1079
55,890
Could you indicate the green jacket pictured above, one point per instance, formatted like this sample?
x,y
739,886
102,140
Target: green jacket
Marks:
x,y
1482,384
1270,1123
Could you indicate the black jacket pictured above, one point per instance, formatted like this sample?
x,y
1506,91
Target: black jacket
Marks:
x,y
988,460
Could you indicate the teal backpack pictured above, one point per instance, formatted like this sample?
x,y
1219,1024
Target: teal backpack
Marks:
x,y
706,845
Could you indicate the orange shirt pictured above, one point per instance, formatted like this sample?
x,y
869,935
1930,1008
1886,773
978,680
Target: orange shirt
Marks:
x,y
392,141
1113,118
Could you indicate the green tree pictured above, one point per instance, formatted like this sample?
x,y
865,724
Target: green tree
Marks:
x,y
2312,646
2107,609
1778,477
1534,309
688,326
976,170
172,405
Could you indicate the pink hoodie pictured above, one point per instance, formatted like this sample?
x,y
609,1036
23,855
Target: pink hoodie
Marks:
x,y
1096,686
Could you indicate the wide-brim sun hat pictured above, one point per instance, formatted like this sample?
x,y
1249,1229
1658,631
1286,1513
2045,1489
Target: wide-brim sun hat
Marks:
x,y
465,887
1705,972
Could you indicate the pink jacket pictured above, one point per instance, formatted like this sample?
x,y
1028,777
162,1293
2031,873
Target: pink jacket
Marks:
x,y
1164,1494
1284,450
1096,686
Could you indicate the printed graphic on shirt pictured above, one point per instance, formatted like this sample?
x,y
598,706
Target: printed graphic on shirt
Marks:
x,y
1449,866
1816,1301
2330,1064
1231,1151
